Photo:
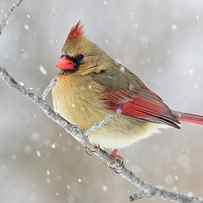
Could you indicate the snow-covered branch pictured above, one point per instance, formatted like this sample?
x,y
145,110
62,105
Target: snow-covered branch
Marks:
x,y
11,10
49,87
144,190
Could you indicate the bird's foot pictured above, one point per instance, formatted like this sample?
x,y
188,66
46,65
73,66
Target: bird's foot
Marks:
x,y
115,154
91,150
117,161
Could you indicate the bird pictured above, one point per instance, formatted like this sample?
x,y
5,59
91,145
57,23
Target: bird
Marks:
x,y
91,86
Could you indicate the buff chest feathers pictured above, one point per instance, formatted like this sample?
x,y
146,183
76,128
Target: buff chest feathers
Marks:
x,y
91,86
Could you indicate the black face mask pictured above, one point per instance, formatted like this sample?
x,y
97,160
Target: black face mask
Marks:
x,y
76,59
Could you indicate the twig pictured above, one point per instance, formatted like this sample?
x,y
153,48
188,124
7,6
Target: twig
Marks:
x,y
138,195
11,10
99,125
146,190
49,87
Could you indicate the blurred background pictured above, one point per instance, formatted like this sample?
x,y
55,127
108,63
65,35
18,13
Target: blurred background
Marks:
x,y
160,41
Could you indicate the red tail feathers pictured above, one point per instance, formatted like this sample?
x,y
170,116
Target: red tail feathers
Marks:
x,y
189,118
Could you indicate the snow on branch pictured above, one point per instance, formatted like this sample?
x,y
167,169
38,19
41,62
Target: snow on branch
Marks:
x,y
49,87
146,190
11,10
143,189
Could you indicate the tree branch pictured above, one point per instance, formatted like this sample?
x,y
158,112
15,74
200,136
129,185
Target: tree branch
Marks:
x,y
11,10
146,190
101,124
48,89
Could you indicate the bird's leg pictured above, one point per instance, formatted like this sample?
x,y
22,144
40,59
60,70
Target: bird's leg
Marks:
x,y
115,154
117,161
91,150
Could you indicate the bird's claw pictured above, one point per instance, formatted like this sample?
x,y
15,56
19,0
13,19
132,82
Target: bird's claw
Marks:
x,y
90,150
117,162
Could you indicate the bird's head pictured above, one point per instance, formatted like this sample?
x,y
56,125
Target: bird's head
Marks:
x,y
76,48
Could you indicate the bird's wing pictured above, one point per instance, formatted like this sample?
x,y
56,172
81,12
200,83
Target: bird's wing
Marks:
x,y
127,94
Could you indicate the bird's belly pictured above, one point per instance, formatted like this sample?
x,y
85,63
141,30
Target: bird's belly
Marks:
x,y
81,105
122,132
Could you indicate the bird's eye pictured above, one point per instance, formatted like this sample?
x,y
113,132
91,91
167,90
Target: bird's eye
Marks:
x,y
78,59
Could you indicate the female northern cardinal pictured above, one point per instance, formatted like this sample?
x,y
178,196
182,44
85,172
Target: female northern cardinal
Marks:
x,y
92,85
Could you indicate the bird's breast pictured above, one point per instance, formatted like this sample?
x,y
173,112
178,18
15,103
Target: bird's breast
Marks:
x,y
76,98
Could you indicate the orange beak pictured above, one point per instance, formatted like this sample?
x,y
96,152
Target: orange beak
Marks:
x,y
65,64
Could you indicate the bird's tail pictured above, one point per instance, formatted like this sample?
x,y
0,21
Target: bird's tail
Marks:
x,y
189,118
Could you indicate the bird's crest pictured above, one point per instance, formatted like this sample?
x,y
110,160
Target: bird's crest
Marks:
x,y
76,31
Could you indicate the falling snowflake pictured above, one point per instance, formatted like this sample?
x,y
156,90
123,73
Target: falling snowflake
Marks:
x,y
26,27
197,18
53,146
43,70
174,27
38,153
104,188
79,180
191,71
48,172
136,25
28,16
105,2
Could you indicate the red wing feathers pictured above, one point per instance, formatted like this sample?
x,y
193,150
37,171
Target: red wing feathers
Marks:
x,y
140,107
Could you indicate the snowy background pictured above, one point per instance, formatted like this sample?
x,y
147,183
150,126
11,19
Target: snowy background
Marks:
x,y
161,41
